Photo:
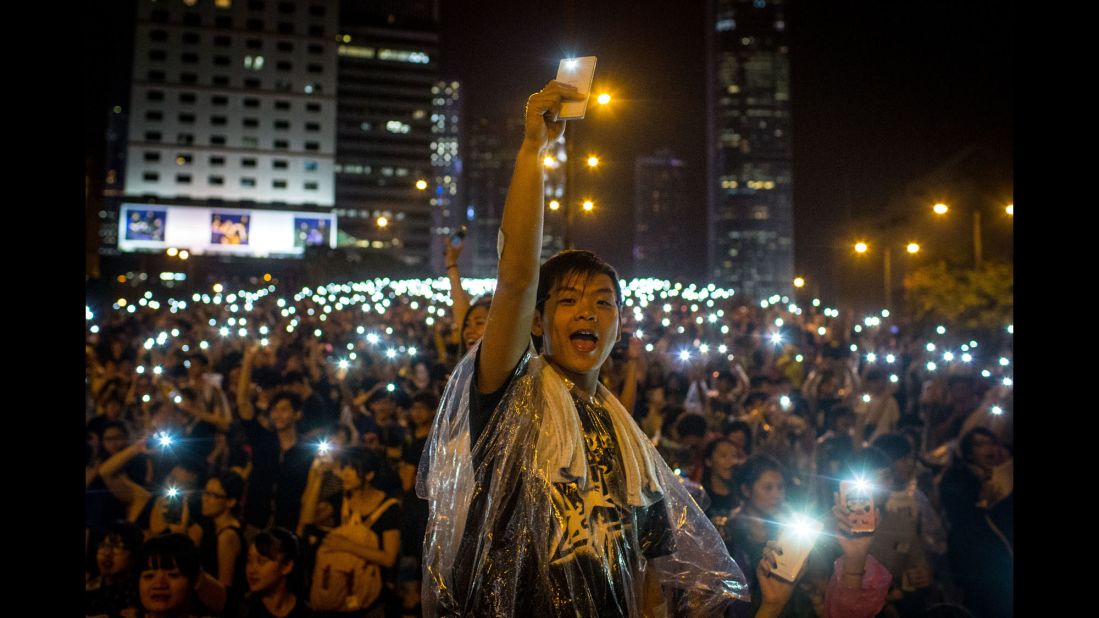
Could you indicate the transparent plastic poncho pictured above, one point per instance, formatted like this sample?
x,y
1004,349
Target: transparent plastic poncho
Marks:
x,y
556,511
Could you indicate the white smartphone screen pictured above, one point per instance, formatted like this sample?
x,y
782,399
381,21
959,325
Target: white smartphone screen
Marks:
x,y
576,72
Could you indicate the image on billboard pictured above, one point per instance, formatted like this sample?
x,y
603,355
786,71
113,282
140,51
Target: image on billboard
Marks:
x,y
228,229
146,224
309,232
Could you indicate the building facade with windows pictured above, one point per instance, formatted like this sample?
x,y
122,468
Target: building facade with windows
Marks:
x,y
233,108
660,228
749,191
392,120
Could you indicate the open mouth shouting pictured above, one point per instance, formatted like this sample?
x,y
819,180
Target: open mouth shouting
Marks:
x,y
584,340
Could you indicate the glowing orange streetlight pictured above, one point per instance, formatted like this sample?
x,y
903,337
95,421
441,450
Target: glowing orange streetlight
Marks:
x,y
603,98
861,247
913,247
421,184
382,222
588,205
593,161
940,208
554,205
1010,210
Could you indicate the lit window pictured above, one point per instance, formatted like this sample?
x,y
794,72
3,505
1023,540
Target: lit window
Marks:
x,y
253,63
396,126
223,4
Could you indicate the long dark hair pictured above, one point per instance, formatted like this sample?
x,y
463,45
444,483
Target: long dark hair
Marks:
x,y
754,468
282,546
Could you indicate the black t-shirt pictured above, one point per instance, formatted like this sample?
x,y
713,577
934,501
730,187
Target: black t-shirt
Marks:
x,y
415,507
586,521
315,414
253,607
278,478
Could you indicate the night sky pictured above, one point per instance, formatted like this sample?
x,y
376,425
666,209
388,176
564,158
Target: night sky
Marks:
x,y
882,92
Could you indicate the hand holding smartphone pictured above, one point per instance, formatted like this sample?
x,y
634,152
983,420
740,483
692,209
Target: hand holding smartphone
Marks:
x,y
576,72
857,501
793,546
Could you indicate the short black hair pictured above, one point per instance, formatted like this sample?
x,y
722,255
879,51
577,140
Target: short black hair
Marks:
x,y
293,398
894,445
741,426
572,262
169,551
865,461
115,424
361,459
690,424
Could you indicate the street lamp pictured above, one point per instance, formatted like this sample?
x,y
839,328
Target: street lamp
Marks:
x,y
799,282
887,265
941,209
592,162
1010,210
421,184
554,205
382,222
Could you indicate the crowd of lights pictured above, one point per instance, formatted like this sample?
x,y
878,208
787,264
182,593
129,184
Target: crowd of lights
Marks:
x,y
673,299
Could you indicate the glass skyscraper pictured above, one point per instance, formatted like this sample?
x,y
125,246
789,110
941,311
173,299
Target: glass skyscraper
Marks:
x,y
749,192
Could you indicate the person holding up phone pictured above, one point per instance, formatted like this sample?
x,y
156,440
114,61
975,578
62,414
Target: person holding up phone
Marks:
x,y
859,582
545,497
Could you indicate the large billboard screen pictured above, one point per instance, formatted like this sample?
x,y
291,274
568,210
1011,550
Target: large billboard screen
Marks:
x,y
258,233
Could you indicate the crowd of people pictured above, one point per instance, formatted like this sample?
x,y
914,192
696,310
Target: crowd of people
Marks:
x,y
255,452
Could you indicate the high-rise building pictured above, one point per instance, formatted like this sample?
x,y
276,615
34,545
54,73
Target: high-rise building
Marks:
x,y
488,172
749,192
660,231
447,210
489,164
390,123
231,136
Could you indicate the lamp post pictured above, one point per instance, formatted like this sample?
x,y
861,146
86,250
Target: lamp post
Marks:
x,y
569,197
861,248
941,210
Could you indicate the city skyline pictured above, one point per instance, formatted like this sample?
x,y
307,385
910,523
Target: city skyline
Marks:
x,y
880,96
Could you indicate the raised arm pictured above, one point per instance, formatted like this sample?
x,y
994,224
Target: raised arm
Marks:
x,y
457,292
507,331
244,382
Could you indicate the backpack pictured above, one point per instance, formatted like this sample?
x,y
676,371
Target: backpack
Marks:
x,y
343,581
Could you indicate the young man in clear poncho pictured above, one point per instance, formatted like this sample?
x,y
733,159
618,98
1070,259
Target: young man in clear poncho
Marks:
x,y
546,499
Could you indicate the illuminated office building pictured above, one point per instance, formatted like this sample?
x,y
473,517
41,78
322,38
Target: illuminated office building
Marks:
x,y
660,229
749,192
231,119
390,124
